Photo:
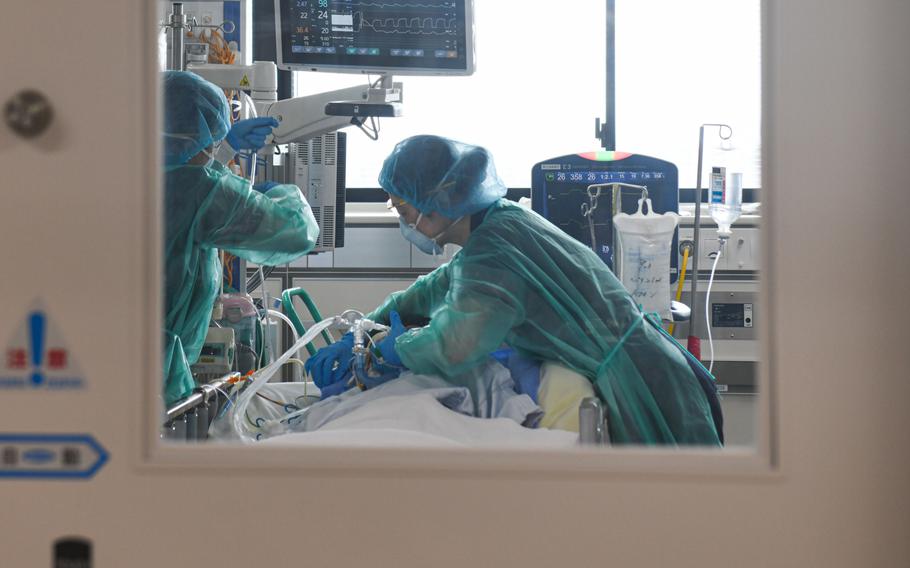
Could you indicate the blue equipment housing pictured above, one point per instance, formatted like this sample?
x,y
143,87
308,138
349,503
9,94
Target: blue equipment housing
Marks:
x,y
559,188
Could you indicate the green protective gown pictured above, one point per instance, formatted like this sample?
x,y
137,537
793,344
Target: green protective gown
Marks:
x,y
209,208
521,281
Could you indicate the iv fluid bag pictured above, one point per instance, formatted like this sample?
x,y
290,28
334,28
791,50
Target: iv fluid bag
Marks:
x,y
726,198
645,242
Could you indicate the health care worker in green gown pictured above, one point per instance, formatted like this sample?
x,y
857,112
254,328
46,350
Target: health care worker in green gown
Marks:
x,y
521,281
209,208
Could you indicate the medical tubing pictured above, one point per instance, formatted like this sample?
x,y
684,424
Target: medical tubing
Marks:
x,y
260,343
253,161
271,426
267,334
254,156
360,367
708,306
252,104
284,318
261,377
227,398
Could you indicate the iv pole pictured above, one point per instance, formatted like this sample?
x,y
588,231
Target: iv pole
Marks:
x,y
694,342
606,131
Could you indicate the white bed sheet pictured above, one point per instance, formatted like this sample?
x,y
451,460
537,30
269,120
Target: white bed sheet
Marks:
x,y
421,421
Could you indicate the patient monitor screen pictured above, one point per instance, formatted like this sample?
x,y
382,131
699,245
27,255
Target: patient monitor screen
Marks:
x,y
404,37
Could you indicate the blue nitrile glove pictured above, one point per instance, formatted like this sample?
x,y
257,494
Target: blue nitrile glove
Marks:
x,y
502,356
264,186
250,134
525,372
322,365
384,374
335,389
387,345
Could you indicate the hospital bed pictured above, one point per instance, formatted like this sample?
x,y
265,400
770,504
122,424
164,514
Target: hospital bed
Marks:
x,y
191,420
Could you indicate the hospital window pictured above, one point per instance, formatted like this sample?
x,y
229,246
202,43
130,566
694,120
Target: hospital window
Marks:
x,y
683,64
678,65
544,106
534,95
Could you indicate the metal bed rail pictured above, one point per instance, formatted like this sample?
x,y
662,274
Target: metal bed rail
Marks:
x,y
592,423
188,420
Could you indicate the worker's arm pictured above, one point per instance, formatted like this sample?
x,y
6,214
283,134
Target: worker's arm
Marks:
x,y
475,319
419,301
273,228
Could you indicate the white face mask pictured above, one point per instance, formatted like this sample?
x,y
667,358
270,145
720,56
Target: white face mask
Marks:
x,y
427,245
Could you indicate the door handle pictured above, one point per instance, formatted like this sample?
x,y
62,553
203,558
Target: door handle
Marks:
x,y
28,113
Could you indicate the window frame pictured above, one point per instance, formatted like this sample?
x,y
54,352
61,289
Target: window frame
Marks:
x,y
150,454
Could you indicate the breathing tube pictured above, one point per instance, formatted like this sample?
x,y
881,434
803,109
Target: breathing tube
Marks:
x,y
261,377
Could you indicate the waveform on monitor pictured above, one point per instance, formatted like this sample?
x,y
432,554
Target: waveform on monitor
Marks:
x,y
443,6
406,26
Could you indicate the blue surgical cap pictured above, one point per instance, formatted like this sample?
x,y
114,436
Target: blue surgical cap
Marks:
x,y
437,174
196,115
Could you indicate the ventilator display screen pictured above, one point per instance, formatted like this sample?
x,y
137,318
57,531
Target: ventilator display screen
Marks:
x,y
404,37
633,177
560,189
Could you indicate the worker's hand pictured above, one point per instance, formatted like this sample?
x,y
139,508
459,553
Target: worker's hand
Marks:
x,y
335,389
381,374
332,364
264,186
387,345
250,134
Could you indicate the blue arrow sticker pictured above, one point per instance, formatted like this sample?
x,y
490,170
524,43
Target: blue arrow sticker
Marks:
x,y
50,456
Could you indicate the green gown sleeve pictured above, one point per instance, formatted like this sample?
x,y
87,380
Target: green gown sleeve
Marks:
x,y
483,305
271,229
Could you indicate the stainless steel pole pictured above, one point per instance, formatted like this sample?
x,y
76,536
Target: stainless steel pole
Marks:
x,y
177,30
693,298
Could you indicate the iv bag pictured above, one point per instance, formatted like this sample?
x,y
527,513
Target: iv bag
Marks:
x,y
645,241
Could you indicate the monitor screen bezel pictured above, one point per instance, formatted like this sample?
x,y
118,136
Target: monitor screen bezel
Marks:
x,y
382,70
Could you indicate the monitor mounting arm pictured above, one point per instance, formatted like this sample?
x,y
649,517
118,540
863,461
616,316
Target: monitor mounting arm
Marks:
x,y
303,118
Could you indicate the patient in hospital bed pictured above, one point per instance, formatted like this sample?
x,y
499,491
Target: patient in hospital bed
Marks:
x,y
507,401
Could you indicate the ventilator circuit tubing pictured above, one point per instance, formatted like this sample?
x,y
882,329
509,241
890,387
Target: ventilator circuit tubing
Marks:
x,y
267,330
285,319
708,305
261,377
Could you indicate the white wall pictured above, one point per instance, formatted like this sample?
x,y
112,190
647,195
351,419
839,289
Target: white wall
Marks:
x,y
837,144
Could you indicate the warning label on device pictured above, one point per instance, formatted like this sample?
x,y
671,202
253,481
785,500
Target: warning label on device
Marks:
x,y
36,357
